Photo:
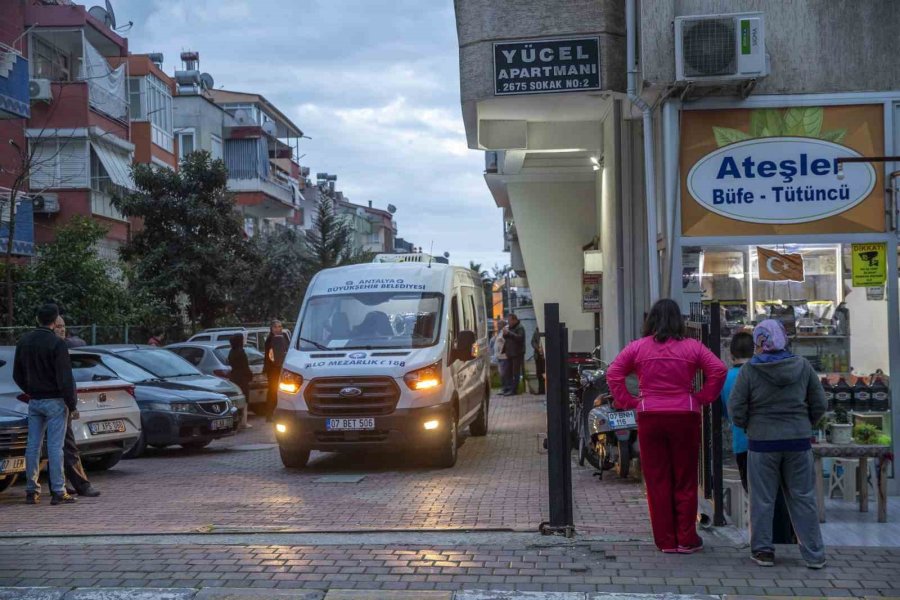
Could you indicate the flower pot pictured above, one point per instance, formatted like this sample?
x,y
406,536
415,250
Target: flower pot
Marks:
x,y
841,433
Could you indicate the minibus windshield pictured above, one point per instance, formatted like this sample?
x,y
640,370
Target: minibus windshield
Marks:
x,y
367,321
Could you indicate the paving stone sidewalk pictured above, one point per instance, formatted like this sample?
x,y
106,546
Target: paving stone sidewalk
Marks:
x,y
526,565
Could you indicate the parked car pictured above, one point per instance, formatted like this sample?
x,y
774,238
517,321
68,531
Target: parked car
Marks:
x,y
173,413
109,420
211,358
172,368
13,439
253,336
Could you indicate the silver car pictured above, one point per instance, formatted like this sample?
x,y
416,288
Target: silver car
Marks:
x,y
253,336
211,358
109,420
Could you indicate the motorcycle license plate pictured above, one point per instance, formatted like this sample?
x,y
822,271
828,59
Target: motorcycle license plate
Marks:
x,y
620,420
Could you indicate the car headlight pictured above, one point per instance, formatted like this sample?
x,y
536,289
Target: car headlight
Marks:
x,y
179,407
290,382
425,378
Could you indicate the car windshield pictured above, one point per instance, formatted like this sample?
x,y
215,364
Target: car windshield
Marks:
x,y
253,355
371,320
126,370
161,363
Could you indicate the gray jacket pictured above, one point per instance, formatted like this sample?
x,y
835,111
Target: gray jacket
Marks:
x,y
779,400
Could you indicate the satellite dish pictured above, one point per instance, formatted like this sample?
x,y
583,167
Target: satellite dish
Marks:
x,y
99,13
111,15
446,255
206,81
242,116
270,127
392,209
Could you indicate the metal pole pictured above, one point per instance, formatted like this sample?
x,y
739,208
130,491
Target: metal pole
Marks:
x,y
559,465
718,490
94,334
707,426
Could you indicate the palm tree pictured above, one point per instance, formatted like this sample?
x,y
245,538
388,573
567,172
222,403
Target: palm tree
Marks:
x,y
476,267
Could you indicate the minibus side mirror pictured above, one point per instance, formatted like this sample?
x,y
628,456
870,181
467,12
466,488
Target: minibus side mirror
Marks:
x,y
465,346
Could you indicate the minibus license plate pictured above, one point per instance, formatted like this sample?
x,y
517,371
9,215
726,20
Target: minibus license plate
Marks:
x,y
100,427
359,424
618,420
12,465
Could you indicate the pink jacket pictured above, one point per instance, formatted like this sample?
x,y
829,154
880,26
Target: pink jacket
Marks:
x,y
666,374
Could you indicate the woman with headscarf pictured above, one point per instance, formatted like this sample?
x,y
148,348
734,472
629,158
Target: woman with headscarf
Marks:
x,y
777,399
668,417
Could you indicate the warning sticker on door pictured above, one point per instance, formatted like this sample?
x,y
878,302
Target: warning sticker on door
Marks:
x,y
869,264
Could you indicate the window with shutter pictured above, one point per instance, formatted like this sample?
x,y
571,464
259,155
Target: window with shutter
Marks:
x,y
59,163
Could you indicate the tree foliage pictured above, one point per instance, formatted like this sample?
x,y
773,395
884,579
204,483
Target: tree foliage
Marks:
x,y
191,245
276,281
330,241
69,271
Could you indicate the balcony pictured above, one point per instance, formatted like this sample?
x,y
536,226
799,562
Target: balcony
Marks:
x,y
261,189
14,97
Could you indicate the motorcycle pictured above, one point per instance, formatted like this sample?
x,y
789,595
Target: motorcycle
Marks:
x,y
613,436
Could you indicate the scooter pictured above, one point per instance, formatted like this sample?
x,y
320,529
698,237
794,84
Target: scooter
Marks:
x,y
613,436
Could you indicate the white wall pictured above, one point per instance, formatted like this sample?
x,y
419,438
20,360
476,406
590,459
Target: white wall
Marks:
x,y
554,221
868,332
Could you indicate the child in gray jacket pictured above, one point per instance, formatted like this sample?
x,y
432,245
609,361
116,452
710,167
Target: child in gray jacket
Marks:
x,y
777,398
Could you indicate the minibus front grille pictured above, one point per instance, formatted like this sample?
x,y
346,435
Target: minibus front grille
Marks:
x,y
338,437
334,396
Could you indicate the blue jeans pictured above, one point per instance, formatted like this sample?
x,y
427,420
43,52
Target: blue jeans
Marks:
x,y
51,415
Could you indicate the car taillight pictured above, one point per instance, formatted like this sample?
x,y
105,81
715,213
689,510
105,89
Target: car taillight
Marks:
x,y
130,390
223,373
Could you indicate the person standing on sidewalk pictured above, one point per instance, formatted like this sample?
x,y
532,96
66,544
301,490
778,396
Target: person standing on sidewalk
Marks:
x,y
277,344
540,366
75,473
778,398
497,347
514,346
668,418
43,371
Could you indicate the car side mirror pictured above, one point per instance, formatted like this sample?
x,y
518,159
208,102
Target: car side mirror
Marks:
x,y
465,346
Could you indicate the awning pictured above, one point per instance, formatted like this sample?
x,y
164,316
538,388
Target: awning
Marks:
x,y
116,162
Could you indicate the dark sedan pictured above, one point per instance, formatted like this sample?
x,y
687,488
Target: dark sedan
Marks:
x,y
171,412
174,369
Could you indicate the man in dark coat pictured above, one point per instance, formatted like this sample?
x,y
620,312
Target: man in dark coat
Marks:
x,y
277,344
514,346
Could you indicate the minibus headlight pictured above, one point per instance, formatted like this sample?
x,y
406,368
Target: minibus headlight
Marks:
x,y
290,382
425,378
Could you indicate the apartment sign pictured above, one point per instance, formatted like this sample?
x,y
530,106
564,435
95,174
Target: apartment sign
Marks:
x,y
546,66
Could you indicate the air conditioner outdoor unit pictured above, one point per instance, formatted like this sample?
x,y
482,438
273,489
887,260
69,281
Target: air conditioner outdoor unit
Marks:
x,y
45,203
720,47
39,89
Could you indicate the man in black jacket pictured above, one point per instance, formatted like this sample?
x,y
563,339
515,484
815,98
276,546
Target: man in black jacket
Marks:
x,y
43,371
277,344
514,346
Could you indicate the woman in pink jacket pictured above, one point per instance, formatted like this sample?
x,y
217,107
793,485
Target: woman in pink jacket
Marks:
x,y
668,415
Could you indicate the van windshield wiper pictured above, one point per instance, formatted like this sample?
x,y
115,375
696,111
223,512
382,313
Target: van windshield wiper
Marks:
x,y
316,344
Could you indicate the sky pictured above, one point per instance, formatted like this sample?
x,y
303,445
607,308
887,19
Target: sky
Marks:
x,y
374,83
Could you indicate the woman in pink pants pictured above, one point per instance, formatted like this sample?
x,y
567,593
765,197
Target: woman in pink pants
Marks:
x,y
668,416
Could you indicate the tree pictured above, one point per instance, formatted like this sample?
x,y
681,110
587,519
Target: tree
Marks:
x,y
476,267
69,272
330,241
277,278
191,249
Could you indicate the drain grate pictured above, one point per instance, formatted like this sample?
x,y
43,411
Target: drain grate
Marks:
x,y
339,479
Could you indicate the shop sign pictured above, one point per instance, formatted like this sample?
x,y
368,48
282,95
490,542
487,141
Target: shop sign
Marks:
x,y
775,171
869,264
875,293
780,180
774,266
546,66
592,292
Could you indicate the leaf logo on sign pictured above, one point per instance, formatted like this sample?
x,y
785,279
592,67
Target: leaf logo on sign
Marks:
x,y
772,122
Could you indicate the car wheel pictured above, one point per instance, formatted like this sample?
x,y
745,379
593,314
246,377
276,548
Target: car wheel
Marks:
x,y
198,445
138,449
8,481
479,427
102,462
448,450
294,458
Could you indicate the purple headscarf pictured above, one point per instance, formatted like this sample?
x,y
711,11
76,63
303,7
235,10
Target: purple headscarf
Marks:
x,y
770,336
